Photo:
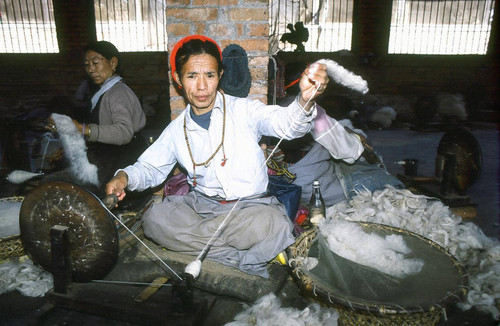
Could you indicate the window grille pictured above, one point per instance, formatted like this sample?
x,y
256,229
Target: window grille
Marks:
x,y
329,23
27,27
440,26
132,25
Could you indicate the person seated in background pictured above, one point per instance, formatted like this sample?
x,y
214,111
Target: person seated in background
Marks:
x,y
113,117
215,140
334,153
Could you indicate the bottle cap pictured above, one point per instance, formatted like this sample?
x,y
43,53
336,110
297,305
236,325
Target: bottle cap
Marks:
x,y
316,183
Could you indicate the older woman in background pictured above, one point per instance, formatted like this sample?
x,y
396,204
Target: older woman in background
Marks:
x,y
114,116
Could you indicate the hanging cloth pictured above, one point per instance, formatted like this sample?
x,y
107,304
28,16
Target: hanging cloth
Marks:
x,y
236,80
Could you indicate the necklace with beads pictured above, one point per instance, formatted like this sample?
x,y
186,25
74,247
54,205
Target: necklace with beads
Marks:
x,y
224,159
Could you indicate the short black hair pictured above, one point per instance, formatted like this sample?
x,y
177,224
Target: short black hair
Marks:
x,y
195,47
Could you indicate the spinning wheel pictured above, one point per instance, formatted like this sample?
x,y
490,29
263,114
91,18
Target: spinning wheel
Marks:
x,y
458,165
93,237
458,162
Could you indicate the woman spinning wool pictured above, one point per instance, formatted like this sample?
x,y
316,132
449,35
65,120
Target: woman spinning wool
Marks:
x,y
115,115
215,139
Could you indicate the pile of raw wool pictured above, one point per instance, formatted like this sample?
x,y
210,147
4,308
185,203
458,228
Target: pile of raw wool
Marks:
x,y
430,218
267,310
22,275
384,253
19,273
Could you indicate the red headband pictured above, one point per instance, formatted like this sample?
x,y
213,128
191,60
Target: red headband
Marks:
x,y
179,45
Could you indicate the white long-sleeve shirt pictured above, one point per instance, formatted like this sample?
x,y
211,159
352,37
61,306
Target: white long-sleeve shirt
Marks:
x,y
244,174
341,144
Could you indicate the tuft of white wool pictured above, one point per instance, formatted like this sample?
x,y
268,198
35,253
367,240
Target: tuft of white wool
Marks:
x,y
451,105
430,218
75,150
344,77
193,268
384,116
20,176
25,277
267,310
385,254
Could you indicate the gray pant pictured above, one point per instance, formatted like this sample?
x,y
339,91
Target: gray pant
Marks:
x,y
256,231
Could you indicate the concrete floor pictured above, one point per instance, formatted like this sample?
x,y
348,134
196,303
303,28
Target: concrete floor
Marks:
x,y
393,145
400,144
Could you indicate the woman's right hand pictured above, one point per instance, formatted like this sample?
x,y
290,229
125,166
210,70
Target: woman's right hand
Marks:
x,y
117,185
51,125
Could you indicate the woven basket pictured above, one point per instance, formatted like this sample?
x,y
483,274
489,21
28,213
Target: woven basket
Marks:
x,y
11,246
359,313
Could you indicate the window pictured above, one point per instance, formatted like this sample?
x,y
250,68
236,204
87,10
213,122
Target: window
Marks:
x,y
441,26
27,27
132,25
328,23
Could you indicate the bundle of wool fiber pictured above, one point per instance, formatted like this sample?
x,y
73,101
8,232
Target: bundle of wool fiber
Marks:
x,y
344,77
75,150
451,106
386,254
267,310
430,218
22,275
384,116
20,176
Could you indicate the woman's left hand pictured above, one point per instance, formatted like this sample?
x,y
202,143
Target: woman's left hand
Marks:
x,y
78,126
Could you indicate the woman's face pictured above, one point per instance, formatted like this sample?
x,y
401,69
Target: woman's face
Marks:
x,y
199,78
98,68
